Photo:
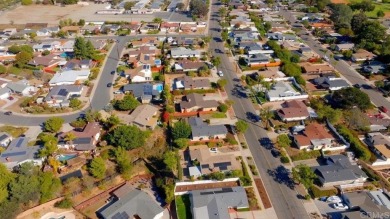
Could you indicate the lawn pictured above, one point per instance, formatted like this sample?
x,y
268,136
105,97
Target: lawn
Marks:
x,y
14,131
218,115
183,205
385,7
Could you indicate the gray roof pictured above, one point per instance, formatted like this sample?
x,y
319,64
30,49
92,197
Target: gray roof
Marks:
x,y
327,82
339,169
18,151
181,51
196,100
368,201
62,92
4,90
282,89
4,136
141,89
253,46
200,128
257,58
17,87
187,82
280,36
135,202
214,203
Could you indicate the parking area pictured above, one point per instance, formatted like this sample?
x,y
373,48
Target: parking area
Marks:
x,y
326,209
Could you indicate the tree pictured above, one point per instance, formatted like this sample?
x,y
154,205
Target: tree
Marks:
x,y
91,52
170,160
181,143
303,174
128,137
327,112
27,2
357,22
50,143
365,5
81,23
125,165
241,126
216,61
180,6
6,178
49,186
128,103
128,5
74,103
380,13
222,12
385,48
53,124
97,168
223,108
198,8
341,14
221,83
356,119
46,52
350,97
70,136
112,121
3,69
224,35
92,116
157,20
80,48
181,129
22,58
283,140
266,114
371,32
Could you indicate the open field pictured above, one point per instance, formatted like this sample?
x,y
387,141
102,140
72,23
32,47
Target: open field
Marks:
x,y
52,14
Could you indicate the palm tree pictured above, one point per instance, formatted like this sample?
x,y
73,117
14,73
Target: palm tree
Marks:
x,y
266,114
69,137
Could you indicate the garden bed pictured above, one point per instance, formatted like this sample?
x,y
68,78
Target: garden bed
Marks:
x,y
263,193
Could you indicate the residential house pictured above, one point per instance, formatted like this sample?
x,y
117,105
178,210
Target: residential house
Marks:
x,y
5,139
257,60
144,117
321,25
344,47
110,28
195,102
237,4
133,27
85,140
91,28
374,67
271,74
48,61
23,34
283,90
189,83
145,41
366,203
98,44
145,92
202,131
362,55
244,36
339,170
317,69
216,202
76,64
314,137
331,83
188,27
48,31
380,144
182,41
147,27
145,55
68,46
4,93
21,87
189,66
69,77
71,29
181,52
241,22
169,27
253,48
128,202
294,110
19,152
142,73
59,96
281,37
378,122
52,46
7,33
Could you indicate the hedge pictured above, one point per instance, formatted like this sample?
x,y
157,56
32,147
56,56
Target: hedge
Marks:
x,y
316,192
356,146
304,155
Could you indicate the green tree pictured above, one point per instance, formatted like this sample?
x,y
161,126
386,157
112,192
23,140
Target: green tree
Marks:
x,y
341,15
157,20
198,8
241,126
357,22
283,140
26,186
65,203
224,35
356,119
221,83
223,108
125,165
128,103
304,174
6,178
112,121
350,97
49,186
80,48
91,52
128,137
97,168
170,160
81,22
3,69
74,103
46,52
365,5
266,114
92,116
180,6
53,124
222,12
380,13
22,58
216,61
181,143
371,32
27,2
327,112
181,129
50,145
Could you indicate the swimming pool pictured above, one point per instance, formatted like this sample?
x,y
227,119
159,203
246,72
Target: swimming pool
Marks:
x,y
65,157
159,87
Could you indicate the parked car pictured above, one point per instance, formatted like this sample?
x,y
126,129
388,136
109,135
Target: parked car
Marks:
x,y
10,98
339,206
357,86
214,150
220,73
112,72
383,109
8,113
109,85
334,199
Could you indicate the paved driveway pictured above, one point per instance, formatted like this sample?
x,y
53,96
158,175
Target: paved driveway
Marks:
x,y
325,208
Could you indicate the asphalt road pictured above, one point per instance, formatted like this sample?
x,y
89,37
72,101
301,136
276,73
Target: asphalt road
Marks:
x,y
275,177
341,66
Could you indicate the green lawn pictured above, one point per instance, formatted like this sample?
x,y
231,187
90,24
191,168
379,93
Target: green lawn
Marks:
x,y
183,204
218,115
385,7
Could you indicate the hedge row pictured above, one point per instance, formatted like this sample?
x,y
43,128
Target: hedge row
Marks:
x,y
356,145
316,192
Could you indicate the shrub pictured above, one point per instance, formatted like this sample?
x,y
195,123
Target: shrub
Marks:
x,y
284,159
304,155
356,146
223,108
316,192
64,203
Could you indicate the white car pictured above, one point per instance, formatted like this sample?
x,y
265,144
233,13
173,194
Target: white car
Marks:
x,y
214,150
220,73
334,199
339,206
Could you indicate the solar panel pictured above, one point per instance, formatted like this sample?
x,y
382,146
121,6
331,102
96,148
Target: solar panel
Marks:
x,y
19,143
147,57
11,154
223,164
63,92
205,166
223,168
120,215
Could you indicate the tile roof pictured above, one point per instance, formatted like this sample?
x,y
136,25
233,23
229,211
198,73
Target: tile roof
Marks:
x,y
294,108
313,131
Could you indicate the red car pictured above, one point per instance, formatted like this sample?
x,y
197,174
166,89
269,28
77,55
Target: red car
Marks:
x,y
383,109
10,98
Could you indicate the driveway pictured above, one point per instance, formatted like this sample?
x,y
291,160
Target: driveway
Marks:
x,y
325,208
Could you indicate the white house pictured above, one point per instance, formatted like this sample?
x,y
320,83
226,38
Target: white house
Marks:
x,y
282,90
142,73
4,93
22,88
182,52
45,32
69,77
5,139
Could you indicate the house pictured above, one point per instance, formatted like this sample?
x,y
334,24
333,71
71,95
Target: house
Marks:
x,y
48,31
23,34
144,117
374,67
145,55
339,170
5,139
19,152
68,46
75,64
189,83
182,41
257,60
52,46
314,137
283,90
145,92
344,47
47,61
147,27
195,102
253,48
128,202
7,33
145,41
187,66
378,122
188,27
244,36
132,26
330,83
316,69
142,73
4,93
98,44
59,96
241,22
69,77
21,87
216,202
110,28
294,110
85,140
281,37
169,27
71,29
362,55
321,25
271,74
380,144
237,4
91,28
181,52
366,203
203,131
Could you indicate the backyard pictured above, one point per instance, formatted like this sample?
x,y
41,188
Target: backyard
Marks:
x,y
183,205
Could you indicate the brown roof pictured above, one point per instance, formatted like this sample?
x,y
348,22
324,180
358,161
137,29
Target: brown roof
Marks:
x,y
144,115
196,100
191,83
149,50
145,40
293,109
321,25
363,54
48,60
309,67
169,24
311,132
91,129
191,65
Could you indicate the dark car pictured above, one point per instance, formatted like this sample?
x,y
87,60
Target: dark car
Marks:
x,y
113,72
8,113
357,86
109,85
383,109
275,152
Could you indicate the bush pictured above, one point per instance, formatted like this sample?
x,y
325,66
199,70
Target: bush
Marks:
x,y
316,192
64,203
356,146
284,159
304,155
223,108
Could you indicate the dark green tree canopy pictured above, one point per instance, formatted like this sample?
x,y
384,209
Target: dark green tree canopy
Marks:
x,y
128,137
350,97
181,129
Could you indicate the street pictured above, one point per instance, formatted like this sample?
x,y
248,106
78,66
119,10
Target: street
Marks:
x,y
283,198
